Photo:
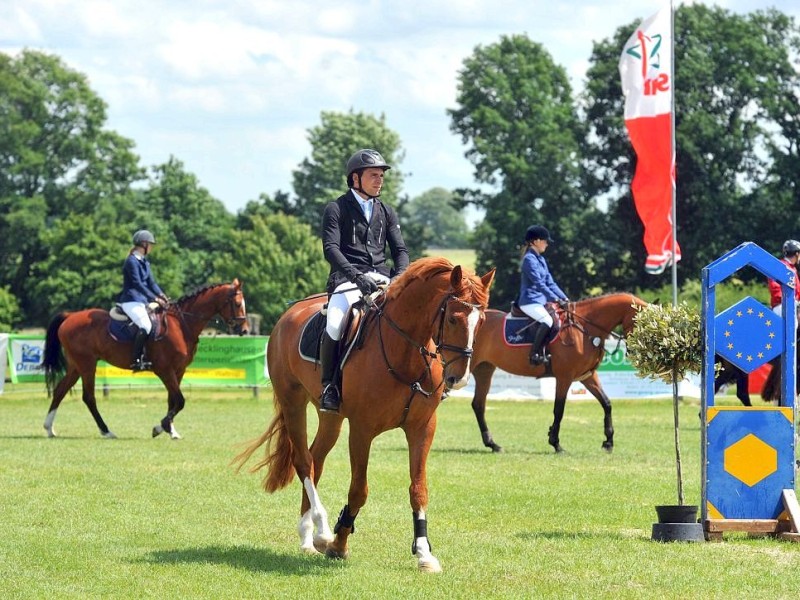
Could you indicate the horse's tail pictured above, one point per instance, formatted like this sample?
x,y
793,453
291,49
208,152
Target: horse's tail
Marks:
x,y
771,392
277,454
53,361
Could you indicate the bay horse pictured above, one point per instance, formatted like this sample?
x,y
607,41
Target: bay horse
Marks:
x,y
75,341
575,356
416,341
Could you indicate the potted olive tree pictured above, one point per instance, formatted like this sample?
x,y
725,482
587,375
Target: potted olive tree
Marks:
x,y
666,344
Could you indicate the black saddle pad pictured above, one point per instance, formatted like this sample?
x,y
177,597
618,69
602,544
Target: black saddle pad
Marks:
x,y
310,337
125,331
518,331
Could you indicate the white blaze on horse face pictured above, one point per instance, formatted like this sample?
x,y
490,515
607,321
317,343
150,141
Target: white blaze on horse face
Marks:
x,y
472,323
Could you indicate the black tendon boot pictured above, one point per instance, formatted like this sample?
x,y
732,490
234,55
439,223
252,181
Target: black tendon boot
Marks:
x,y
539,355
329,359
140,363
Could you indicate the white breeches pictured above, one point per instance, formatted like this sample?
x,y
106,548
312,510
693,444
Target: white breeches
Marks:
x,y
138,314
340,302
537,312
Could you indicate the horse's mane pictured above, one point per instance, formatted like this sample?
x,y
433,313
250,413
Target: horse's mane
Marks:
x,y
197,292
470,290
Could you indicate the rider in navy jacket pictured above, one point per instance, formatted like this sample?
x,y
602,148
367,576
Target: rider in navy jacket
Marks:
x,y
139,288
537,288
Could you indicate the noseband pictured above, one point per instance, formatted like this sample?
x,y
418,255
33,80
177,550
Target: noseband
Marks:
x,y
235,322
426,354
463,352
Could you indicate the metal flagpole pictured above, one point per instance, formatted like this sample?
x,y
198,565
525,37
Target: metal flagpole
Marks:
x,y
672,138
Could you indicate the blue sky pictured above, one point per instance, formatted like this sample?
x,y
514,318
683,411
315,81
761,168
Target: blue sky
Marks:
x,y
231,88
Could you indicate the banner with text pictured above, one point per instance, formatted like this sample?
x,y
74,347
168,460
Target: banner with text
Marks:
x,y
220,360
3,352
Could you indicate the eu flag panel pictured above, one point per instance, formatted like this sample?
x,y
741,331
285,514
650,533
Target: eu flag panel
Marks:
x,y
750,461
748,334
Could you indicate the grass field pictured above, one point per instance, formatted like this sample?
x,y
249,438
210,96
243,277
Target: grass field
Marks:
x,y
136,517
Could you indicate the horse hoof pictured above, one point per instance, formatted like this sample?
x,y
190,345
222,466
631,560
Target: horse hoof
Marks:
x,y
157,430
175,435
321,544
109,435
430,565
608,447
496,449
334,554
558,449
310,550
51,433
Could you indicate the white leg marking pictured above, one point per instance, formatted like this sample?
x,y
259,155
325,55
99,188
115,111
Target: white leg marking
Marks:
x,y
174,434
472,324
426,561
110,435
48,424
305,529
319,516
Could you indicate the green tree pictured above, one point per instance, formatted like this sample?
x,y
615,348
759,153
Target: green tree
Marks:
x,y
197,224
56,160
517,114
737,132
321,179
278,258
443,225
9,311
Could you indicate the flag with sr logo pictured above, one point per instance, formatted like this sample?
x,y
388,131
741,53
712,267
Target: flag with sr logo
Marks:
x,y
646,71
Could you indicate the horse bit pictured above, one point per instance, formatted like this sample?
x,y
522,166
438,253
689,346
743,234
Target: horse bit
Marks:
x,y
427,355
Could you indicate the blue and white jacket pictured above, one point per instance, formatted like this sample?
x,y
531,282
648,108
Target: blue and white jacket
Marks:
x,y
537,285
138,284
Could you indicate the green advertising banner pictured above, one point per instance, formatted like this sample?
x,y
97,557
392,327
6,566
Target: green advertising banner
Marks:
x,y
220,361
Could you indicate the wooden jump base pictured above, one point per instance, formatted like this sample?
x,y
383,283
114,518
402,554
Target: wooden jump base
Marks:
x,y
786,529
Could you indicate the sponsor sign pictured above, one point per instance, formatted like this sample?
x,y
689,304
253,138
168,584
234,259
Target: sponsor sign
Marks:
x,y
220,360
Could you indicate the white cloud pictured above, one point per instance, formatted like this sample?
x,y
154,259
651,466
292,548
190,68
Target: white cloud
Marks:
x,y
231,88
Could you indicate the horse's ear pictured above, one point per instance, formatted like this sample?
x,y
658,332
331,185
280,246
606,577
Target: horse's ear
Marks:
x,y
236,283
488,278
455,277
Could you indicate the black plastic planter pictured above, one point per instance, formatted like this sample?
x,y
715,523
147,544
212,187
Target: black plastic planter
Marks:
x,y
677,523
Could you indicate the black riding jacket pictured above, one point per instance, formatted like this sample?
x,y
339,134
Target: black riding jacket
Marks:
x,y
353,246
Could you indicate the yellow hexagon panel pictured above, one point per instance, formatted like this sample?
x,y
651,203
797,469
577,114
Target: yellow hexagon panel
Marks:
x,y
750,460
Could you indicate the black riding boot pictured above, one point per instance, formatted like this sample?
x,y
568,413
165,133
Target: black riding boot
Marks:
x,y
140,363
329,360
539,355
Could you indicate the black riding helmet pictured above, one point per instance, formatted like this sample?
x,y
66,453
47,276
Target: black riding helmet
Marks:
x,y
364,159
538,232
791,247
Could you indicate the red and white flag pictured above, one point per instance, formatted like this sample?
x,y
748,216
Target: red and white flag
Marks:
x,y
646,71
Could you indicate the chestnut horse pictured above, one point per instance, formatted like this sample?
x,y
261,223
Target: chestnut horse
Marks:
x,y
77,340
575,355
416,341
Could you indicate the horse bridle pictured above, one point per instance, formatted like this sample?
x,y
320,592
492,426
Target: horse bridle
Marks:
x,y
231,323
234,321
427,355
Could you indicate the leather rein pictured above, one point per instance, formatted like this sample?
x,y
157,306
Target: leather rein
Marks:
x,y
427,356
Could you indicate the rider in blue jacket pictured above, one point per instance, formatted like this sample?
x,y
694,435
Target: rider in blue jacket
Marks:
x,y
537,287
139,288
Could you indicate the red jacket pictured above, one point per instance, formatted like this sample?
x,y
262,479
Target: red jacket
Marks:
x,y
775,287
